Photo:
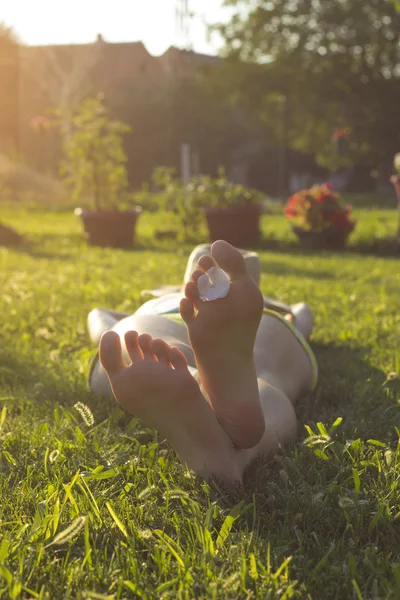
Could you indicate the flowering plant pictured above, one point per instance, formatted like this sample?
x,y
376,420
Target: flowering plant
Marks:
x,y
395,179
319,209
340,133
40,124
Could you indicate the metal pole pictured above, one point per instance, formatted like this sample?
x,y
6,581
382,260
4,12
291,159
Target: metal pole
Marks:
x,y
182,29
282,150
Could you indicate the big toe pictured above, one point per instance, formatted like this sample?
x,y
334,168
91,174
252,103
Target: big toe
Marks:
x,y
229,259
186,308
111,353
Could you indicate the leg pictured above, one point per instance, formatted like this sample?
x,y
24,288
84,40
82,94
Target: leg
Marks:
x,y
101,320
233,346
222,335
280,425
281,360
303,318
284,375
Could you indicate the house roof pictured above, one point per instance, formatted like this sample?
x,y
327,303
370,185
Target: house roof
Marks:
x,y
121,60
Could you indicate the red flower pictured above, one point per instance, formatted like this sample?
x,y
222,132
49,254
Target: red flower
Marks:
x,y
290,212
340,133
40,123
395,179
318,209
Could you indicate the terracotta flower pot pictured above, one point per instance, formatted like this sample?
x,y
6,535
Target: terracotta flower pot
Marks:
x,y
238,225
330,239
109,227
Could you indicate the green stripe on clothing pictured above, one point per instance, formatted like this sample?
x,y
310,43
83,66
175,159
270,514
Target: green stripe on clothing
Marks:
x,y
300,338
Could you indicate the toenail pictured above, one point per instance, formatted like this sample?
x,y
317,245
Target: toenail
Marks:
x,y
213,285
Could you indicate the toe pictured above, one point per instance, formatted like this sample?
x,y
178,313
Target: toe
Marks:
x,y
161,350
196,274
229,259
192,293
132,346
111,353
177,359
187,310
145,343
206,262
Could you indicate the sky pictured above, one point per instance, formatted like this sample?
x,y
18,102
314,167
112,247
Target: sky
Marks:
x,y
42,22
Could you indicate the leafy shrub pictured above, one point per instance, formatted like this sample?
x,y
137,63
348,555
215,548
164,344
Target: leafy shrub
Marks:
x,y
202,191
94,163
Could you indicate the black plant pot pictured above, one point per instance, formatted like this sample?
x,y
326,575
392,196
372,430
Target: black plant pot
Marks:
x,y
109,227
238,225
331,239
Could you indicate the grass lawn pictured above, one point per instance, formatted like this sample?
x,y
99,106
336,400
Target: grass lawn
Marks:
x,y
94,506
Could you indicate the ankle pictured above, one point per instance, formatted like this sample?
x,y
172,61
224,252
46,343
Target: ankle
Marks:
x,y
246,432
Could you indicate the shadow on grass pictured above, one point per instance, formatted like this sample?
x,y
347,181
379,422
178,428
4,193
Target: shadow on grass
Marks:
x,y
385,247
65,246
350,387
37,388
68,245
36,253
277,267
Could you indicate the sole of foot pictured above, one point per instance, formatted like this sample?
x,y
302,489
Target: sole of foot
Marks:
x,y
222,334
158,388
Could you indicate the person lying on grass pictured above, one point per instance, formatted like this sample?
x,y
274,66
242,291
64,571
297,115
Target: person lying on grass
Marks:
x,y
220,381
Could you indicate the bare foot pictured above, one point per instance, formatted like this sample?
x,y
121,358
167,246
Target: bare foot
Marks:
x,y
222,336
158,388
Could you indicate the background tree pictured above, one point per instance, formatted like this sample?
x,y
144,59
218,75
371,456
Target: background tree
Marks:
x,y
336,64
9,90
178,108
9,131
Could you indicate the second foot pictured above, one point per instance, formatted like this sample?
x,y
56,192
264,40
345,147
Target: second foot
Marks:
x,y
222,334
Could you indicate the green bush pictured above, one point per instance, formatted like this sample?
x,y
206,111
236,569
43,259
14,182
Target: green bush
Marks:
x,y
220,192
203,191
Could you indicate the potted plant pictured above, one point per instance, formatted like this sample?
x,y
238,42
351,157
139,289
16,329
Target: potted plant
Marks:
x,y
318,218
232,210
94,168
395,180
